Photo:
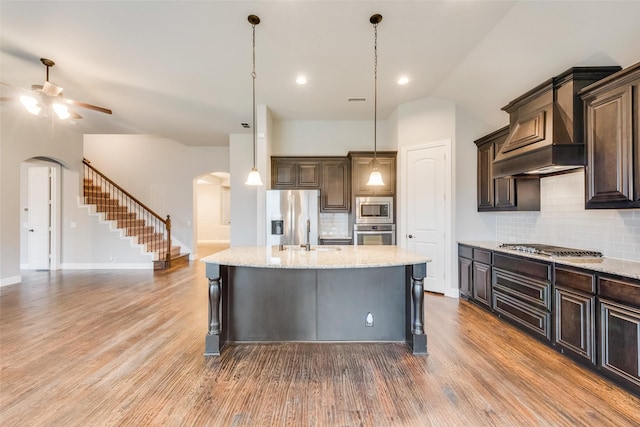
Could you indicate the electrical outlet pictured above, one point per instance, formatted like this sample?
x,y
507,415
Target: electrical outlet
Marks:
x,y
368,320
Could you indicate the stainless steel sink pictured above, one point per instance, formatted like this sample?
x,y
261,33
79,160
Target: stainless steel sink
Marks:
x,y
326,248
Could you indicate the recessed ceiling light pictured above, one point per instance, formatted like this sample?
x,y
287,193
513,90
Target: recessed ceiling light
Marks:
x,y
403,80
301,80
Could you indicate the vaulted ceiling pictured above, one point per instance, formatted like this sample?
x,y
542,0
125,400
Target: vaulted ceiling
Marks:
x,y
182,69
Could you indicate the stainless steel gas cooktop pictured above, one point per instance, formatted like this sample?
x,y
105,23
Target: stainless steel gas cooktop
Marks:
x,y
557,251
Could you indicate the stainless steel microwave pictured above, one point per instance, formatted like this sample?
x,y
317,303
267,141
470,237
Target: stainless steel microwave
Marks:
x,y
374,210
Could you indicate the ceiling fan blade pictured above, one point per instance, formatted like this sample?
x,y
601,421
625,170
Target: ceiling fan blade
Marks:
x,y
88,106
75,115
8,99
51,89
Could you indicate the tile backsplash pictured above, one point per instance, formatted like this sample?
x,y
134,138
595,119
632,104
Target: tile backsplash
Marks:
x,y
564,221
334,225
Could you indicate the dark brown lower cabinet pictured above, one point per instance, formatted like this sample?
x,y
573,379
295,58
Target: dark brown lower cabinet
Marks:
x,y
590,316
465,275
619,331
482,283
575,323
575,311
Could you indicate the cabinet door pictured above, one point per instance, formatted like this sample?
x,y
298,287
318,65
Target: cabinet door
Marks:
x,y
620,341
465,277
308,174
361,169
575,323
485,177
610,150
336,186
482,283
283,174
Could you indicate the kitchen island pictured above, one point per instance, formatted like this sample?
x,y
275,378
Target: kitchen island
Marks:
x,y
330,294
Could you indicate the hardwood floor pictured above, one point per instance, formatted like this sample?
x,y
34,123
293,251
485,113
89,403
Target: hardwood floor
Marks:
x,y
87,348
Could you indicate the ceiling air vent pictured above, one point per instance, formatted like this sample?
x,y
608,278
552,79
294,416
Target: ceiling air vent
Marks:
x,y
245,125
357,99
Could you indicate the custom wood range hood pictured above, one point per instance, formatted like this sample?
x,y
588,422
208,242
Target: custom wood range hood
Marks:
x,y
546,127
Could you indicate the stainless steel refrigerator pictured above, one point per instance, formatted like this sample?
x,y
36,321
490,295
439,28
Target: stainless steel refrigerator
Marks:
x,y
292,217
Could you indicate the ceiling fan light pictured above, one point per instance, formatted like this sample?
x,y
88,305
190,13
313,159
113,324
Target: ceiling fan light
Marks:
x,y
61,111
375,178
30,104
254,178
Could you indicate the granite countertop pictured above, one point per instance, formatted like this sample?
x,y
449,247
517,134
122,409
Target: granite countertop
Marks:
x,y
618,267
320,257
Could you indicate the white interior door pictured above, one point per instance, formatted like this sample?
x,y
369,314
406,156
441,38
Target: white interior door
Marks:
x,y
427,193
39,227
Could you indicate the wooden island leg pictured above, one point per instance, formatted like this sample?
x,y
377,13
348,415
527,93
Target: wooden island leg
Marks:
x,y
212,340
416,338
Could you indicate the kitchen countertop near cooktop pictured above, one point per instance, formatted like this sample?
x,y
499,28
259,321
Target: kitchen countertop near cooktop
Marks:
x,y
603,265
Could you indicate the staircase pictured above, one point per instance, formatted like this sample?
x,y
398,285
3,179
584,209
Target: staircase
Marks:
x,y
135,219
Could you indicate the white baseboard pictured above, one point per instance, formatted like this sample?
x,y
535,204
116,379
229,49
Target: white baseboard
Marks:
x,y
10,280
452,293
107,266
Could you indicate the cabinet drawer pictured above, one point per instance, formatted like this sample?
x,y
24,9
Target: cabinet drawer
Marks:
x,y
573,279
465,251
537,270
619,290
482,255
534,320
528,290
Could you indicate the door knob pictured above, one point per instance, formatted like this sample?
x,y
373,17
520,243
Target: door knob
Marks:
x,y
31,230
410,236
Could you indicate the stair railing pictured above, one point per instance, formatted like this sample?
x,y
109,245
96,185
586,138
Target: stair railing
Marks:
x,y
117,204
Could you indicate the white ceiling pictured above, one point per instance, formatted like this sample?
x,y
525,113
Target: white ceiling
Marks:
x,y
182,69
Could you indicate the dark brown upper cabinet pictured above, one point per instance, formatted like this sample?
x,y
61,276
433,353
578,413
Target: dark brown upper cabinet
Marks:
x,y
361,167
335,194
612,109
331,175
288,173
502,194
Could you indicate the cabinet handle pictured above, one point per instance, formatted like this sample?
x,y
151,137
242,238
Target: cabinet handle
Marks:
x,y
410,236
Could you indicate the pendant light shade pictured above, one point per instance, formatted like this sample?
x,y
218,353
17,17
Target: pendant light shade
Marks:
x,y
375,179
254,178
254,175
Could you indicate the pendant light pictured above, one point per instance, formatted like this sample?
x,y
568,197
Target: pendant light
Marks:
x,y
375,178
254,175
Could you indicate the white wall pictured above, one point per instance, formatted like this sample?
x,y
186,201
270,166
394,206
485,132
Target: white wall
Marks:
x,y
244,198
470,224
159,172
23,136
328,138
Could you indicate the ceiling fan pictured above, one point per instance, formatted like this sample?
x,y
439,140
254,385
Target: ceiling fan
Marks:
x,y
49,95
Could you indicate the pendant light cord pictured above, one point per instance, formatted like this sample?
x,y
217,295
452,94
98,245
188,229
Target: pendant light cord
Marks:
x,y
253,76
375,92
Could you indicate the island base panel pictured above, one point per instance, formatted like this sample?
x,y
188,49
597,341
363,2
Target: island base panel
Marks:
x,y
331,305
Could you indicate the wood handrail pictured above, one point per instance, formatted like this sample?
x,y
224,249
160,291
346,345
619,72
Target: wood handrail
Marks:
x,y
88,163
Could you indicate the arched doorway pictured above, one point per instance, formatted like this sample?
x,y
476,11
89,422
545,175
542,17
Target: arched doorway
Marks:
x,y
212,213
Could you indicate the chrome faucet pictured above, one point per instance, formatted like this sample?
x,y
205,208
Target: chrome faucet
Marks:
x,y
307,247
